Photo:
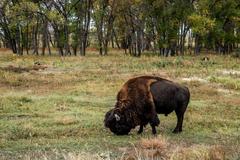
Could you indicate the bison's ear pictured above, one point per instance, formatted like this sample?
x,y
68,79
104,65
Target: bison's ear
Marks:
x,y
117,117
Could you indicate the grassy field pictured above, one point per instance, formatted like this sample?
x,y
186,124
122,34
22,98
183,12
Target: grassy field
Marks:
x,y
56,110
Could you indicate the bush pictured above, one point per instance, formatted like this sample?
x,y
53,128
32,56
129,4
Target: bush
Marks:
x,y
236,53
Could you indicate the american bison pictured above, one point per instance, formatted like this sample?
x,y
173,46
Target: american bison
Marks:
x,y
141,99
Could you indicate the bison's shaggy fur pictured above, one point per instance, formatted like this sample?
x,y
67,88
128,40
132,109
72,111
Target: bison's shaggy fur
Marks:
x,y
139,101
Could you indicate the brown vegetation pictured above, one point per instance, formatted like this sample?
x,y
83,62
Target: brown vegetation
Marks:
x,y
19,69
160,148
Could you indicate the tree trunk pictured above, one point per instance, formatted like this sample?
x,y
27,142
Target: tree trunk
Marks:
x,y
197,44
27,39
87,19
36,44
44,37
48,43
19,41
66,38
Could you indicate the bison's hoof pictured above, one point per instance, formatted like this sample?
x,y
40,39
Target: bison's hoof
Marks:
x,y
177,131
154,132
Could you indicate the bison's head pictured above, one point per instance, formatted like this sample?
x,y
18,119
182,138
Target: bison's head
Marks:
x,y
118,122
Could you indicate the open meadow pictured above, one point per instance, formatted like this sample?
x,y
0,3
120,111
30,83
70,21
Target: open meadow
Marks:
x,y
53,107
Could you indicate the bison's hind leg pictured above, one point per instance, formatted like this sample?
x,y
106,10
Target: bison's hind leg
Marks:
x,y
180,115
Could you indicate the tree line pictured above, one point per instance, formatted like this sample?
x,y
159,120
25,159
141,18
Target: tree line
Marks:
x,y
164,27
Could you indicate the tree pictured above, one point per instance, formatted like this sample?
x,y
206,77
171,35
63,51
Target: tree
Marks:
x,y
133,25
104,16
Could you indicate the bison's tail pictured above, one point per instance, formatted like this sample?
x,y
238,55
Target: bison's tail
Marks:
x,y
187,94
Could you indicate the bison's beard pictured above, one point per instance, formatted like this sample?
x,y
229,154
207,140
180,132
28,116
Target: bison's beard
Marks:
x,y
119,129
117,126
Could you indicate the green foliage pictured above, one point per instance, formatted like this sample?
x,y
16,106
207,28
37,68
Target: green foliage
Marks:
x,y
54,16
23,14
236,53
201,24
163,24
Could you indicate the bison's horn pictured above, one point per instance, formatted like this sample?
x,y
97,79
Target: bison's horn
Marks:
x,y
117,117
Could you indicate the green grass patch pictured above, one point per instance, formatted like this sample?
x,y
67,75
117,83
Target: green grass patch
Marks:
x,y
62,107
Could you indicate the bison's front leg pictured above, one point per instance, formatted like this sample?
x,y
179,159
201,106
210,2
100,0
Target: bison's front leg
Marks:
x,y
153,118
140,129
154,122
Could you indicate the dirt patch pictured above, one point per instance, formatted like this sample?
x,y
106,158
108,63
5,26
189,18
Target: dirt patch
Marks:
x,y
92,49
5,49
205,86
18,69
36,79
222,90
18,116
234,101
195,79
229,72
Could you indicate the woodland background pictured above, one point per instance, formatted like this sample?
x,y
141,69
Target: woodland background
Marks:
x,y
162,27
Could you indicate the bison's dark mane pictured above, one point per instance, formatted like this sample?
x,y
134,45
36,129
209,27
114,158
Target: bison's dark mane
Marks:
x,y
128,109
132,98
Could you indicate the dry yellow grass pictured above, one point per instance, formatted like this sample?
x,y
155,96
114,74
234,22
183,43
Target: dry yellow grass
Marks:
x,y
66,120
162,149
